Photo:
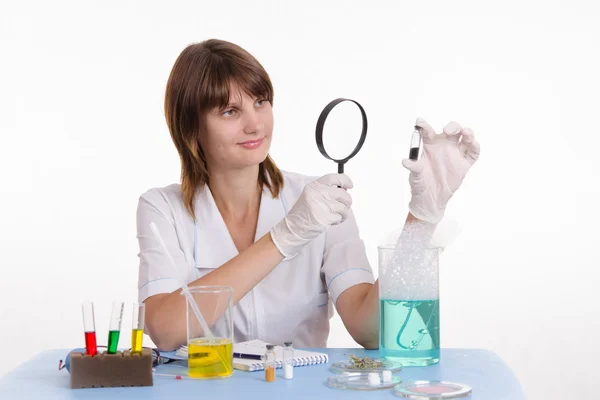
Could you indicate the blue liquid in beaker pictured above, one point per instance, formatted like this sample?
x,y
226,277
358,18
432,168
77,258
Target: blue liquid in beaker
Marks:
x,y
409,331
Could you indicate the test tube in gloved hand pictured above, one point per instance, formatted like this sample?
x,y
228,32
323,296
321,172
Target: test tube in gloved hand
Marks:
x,y
415,144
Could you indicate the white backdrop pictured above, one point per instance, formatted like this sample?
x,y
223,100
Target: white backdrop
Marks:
x,y
83,135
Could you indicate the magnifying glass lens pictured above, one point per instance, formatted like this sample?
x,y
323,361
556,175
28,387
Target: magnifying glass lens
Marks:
x,y
343,128
341,122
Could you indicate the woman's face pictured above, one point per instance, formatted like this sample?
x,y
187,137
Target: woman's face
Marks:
x,y
239,135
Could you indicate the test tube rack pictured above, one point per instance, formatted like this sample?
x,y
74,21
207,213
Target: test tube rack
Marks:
x,y
121,369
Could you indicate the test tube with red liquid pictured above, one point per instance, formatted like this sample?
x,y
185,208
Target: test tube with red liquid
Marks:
x,y
89,328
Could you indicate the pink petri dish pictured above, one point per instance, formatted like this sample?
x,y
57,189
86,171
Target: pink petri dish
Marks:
x,y
425,390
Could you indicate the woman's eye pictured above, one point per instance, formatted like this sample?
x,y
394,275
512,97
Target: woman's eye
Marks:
x,y
261,102
229,112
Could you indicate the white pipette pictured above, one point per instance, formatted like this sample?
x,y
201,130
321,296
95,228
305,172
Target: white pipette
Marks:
x,y
184,287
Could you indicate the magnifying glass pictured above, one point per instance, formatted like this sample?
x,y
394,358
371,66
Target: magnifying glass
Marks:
x,y
321,124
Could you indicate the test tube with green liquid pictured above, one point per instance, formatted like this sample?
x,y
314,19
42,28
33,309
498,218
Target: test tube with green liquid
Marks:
x,y
137,331
114,329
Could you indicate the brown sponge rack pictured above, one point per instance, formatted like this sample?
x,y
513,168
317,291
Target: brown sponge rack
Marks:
x,y
111,370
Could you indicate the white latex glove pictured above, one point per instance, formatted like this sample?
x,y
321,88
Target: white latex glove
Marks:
x,y
439,172
321,205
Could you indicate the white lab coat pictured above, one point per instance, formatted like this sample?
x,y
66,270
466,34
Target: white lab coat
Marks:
x,y
294,302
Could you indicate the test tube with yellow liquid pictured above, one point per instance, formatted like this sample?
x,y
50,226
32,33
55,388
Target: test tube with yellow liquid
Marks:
x,y
210,354
137,327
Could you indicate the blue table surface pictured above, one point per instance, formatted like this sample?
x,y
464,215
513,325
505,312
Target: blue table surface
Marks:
x,y
483,370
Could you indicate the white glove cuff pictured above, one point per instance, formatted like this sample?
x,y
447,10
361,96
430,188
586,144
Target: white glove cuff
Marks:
x,y
419,213
276,236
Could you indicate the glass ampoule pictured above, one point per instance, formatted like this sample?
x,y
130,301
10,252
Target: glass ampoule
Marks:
x,y
415,144
288,360
269,361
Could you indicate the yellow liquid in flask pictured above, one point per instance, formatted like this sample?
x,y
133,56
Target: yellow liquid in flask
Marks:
x,y
210,358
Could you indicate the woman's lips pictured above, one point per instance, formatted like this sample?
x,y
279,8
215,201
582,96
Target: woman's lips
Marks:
x,y
252,144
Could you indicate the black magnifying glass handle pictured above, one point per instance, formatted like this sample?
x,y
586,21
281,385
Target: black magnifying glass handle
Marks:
x,y
340,169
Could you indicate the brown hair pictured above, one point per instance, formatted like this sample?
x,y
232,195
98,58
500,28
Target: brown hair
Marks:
x,y
199,82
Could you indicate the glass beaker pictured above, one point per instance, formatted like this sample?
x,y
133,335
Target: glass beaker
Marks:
x,y
210,357
409,305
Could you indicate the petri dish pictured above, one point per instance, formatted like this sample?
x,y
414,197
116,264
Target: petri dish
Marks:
x,y
359,381
425,390
343,367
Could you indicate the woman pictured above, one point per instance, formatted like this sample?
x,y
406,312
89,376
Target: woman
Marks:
x,y
287,244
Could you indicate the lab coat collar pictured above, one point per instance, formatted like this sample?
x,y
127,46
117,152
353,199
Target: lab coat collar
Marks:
x,y
214,243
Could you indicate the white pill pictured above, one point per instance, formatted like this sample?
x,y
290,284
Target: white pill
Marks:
x,y
374,379
387,376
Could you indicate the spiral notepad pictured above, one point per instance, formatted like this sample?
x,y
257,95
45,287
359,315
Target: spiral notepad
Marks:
x,y
301,357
